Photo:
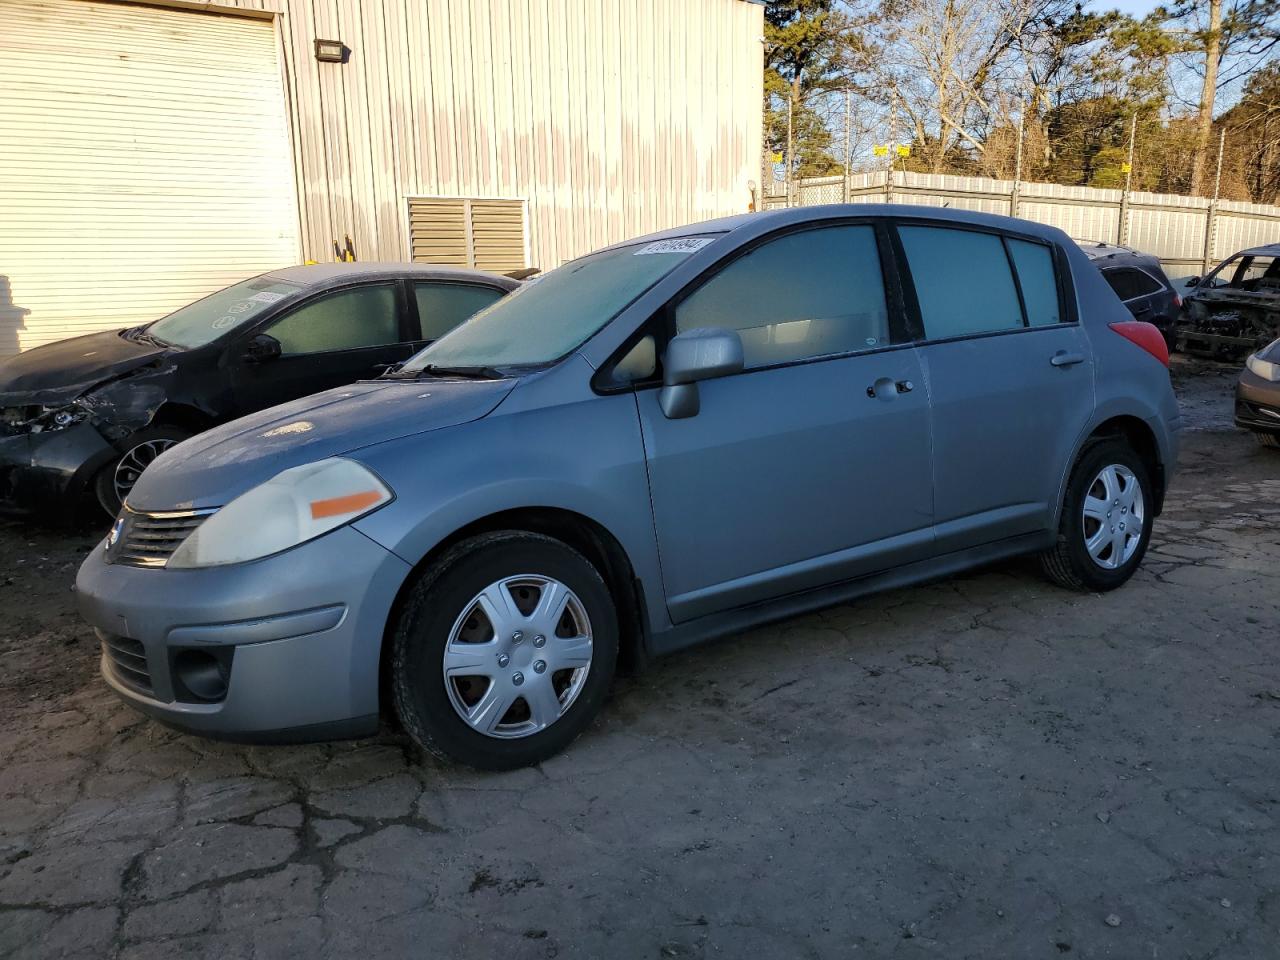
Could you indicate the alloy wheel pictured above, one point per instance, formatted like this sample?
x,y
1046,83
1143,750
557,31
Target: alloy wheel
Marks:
x,y
518,656
135,460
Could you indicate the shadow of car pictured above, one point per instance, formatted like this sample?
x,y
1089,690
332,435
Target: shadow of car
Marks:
x,y
86,415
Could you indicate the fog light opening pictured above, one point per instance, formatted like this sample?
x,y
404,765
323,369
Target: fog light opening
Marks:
x,y
203,675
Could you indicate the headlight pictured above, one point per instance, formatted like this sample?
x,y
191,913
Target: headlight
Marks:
x,y
1266,369
292,507
56,418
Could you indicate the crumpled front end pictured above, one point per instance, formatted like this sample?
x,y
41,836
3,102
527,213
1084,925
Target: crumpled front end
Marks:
x,y
50,452
1228,324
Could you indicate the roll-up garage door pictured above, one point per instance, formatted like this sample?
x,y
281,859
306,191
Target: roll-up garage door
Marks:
x,y
144,162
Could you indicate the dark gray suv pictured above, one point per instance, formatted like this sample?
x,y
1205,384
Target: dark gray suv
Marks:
x,y
672,439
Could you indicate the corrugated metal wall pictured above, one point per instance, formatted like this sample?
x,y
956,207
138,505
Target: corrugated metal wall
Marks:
x,y
610,118
605,118
1171,227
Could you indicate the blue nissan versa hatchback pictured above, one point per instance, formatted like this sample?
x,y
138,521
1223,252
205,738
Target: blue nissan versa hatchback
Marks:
x,y
671,439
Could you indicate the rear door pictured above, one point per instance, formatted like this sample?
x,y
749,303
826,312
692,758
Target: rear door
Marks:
x,y
1009,371
812,465
332,339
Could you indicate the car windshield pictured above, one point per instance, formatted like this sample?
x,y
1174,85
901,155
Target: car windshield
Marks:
x,y
551,316
206,320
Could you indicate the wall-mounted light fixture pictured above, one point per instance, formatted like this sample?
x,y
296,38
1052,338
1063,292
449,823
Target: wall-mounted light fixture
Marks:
x,y
332,51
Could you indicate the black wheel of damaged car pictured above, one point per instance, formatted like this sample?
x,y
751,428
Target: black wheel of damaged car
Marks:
x,y
114,481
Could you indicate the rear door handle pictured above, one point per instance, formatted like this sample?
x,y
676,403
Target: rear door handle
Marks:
x,y
1064,359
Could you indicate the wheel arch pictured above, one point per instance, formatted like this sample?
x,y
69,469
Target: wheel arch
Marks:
x,y
183,416
584,534
1141,437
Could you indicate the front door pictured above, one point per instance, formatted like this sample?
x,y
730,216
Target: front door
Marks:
x,y
1010,378
811,466
335,339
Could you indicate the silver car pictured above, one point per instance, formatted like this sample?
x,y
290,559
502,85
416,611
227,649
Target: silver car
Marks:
x,y
669,440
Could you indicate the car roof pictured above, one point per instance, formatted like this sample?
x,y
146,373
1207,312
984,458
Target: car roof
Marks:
x,y
316,274
1101,250
770,219
1266,250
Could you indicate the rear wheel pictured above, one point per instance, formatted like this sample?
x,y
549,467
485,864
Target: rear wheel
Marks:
x,y
113,483
504,651
1106,520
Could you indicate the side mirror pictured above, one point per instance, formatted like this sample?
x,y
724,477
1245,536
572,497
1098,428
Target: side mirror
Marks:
x,y
261,348
694,355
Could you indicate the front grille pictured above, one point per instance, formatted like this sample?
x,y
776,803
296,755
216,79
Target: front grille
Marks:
x,y
128,662
149,539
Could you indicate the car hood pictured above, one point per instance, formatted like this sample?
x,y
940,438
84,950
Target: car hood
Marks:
x,y
215,467
57,373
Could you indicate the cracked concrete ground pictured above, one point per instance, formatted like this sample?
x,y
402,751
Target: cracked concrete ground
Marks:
x,y
982,767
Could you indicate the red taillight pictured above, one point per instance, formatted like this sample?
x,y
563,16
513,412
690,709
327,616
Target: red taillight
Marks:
x,y
1145,335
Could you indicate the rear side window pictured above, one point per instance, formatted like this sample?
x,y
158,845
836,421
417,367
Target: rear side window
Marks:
x,y
1039,282
809,294
442,306
1130,284
962,280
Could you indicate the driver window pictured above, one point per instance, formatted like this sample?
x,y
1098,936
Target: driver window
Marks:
x,y
347,320
1257,272
809,294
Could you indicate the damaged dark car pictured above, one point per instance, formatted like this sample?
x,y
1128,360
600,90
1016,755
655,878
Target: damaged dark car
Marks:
x,y
1235,310
80,419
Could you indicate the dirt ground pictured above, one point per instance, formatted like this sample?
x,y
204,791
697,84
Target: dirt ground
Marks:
x,y
982,767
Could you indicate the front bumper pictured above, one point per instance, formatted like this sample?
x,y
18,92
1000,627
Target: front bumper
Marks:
x,y
299,635
41,472
1257,404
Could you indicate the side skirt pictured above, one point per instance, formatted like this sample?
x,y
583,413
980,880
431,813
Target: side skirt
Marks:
x,y
935,568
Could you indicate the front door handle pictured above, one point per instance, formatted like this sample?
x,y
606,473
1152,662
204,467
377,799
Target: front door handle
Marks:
x,y
887,389
1064,359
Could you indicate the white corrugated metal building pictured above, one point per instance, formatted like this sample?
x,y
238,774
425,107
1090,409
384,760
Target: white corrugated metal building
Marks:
x,y
153,152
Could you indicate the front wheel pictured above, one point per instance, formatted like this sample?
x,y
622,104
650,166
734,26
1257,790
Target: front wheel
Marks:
x,y
113,482
1106,520
504,651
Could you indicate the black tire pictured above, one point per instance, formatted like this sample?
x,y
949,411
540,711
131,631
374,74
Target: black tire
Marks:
x,y
104,481
1067,563
1269,440
438,600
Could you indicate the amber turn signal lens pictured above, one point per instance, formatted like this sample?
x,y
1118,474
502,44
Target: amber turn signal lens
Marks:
x,y
337,506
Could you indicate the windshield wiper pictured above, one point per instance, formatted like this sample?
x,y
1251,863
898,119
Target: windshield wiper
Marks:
x,y
139,335
471,372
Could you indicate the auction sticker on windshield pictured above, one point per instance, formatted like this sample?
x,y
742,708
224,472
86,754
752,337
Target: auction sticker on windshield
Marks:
x,y
679,245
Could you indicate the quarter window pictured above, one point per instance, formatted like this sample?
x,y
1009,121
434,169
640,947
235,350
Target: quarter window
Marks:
x,y
1034,263
348,320
962,280
809,294
442,306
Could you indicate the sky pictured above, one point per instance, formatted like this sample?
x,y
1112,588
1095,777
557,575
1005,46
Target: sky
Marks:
x,y
1135,8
